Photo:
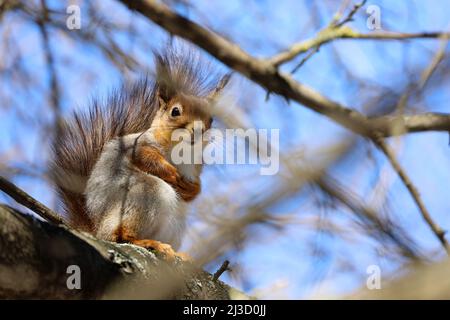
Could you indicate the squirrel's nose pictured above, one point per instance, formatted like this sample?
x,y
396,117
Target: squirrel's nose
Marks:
x,y
190,127
196,126
196,130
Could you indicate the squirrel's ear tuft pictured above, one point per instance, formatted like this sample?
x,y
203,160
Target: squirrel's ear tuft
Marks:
x,y
163,96
163,99
215,93
165,85
181,70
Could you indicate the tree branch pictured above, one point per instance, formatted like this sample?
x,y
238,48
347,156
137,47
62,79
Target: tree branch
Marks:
x,y
266,74
35,256
396,125
109,270
28,201
331,33
435,228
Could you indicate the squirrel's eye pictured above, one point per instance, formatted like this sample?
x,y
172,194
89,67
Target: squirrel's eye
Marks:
x,y
175,112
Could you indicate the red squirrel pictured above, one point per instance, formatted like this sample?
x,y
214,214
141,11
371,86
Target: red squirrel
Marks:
x,y
112,167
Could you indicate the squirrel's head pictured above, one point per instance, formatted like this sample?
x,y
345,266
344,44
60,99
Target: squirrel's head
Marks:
x,y
185,91
180,112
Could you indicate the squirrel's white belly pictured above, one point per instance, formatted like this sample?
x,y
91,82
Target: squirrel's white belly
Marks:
x,y
145,204
167,218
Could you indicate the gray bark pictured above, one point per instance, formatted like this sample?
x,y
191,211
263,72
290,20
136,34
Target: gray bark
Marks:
x,y
35,257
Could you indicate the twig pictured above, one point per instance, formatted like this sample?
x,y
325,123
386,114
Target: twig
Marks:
x,y
303,61
28,201
440,234
349,17
329,34
222,269
437,58
334,24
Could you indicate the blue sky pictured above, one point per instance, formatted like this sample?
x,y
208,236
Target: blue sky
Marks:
x,y
263,28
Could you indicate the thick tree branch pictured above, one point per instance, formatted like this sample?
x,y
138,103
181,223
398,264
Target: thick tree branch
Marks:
x,y
35,256
109,270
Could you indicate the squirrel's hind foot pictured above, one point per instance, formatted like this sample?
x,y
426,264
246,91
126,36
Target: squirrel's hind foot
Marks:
x,y
127,235
162,248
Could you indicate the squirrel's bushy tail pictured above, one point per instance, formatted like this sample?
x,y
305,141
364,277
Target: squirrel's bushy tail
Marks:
x,y
81,140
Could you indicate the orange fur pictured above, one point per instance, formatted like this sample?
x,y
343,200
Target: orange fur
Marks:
x,y
127,235
149,160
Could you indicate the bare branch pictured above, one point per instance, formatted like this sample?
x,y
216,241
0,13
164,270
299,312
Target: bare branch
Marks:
x,y
221,270
440,234
331,33
438,57
352,13
28,201
396,125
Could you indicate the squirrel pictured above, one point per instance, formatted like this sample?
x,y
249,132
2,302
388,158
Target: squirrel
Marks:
x,y
111,165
